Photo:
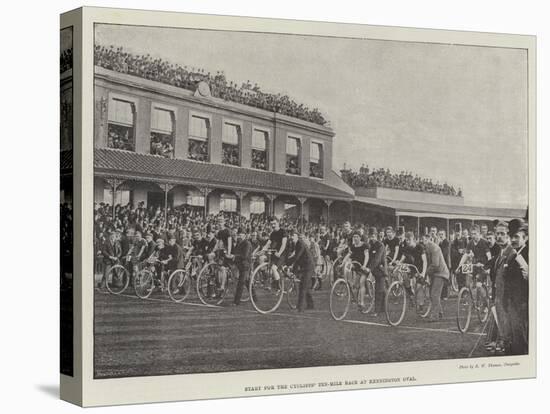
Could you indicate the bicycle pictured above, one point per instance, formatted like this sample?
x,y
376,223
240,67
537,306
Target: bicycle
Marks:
x,y
323,271
118,278
344,292
179,282
209,281
265,296
475,295
147,278
397,295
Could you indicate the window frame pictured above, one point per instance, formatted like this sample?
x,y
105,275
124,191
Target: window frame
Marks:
x,y
267,133
173,112
321,162
134,104
190,136
240,133
299,139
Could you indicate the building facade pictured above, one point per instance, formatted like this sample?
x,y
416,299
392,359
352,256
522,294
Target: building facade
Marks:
x,y
157,144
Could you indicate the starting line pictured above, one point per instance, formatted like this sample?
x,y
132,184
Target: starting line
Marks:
x,y
291,315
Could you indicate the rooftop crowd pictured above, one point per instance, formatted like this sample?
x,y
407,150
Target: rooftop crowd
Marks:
x,y
404,180
65,60
159,70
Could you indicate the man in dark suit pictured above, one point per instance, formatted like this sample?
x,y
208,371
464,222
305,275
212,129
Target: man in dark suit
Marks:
x,y
242,254
501,266
304,268
377,265
516,292
111,255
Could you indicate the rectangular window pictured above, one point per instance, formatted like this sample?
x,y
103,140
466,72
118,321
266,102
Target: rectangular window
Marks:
x,y
230,144
228,203
162,132
257,205
120,126
316,160
199,132
293,152
195,200
122,197
259,149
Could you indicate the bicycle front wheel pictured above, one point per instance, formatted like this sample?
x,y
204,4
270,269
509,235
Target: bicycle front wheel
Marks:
x,y
464,309
292,286
423,300
118,279
369,296
266,293
482,301
396,303
209,286
454,282
179,285
340,299
144,284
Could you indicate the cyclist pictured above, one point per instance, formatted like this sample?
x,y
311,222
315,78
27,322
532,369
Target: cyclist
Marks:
x,y
111,255
359,252
164,257
476,252
391,244
278,242
414,254
137,253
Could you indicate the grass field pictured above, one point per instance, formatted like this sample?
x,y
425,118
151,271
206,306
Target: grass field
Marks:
x,y
135,337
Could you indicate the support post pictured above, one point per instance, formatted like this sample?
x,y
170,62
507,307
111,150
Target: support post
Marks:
x,y
114,183
418,227
328,202
302,200
396,222
271,198
205,191
351,212
240,195
166,187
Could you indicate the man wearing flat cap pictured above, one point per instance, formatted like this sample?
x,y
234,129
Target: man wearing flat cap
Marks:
x,y
242,254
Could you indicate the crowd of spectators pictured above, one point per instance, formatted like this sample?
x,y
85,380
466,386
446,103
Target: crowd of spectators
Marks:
x,y
315,170
259,159
145,66
198,150
66,60
161,144
230,154
121,137
292,165
405,180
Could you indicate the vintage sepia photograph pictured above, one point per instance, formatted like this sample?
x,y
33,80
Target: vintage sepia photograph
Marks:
x,y
273,200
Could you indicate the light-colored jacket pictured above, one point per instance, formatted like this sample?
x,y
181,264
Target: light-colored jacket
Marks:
x,y
436,261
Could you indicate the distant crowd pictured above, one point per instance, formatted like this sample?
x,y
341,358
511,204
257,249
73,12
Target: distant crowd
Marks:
x,y
157,69
404,180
